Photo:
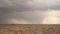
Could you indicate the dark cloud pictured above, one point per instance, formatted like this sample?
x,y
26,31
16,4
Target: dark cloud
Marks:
x,y
28,5
5,10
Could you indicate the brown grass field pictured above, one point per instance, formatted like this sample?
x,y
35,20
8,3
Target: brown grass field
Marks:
x,y
29,29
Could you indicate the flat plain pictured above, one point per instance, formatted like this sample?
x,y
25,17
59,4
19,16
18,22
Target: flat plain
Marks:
x,y
29,29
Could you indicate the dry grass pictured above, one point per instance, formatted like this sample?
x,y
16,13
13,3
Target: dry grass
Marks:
x,y
29,30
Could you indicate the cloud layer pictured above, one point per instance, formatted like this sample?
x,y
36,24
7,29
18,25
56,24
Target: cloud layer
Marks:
x,y
31,11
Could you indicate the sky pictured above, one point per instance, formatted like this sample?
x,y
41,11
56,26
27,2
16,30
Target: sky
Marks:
x,y
29,11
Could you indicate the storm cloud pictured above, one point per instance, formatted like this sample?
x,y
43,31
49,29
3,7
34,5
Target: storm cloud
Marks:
x,y
28,11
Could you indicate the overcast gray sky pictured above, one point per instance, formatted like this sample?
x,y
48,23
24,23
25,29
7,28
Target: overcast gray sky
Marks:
x,y
28,11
